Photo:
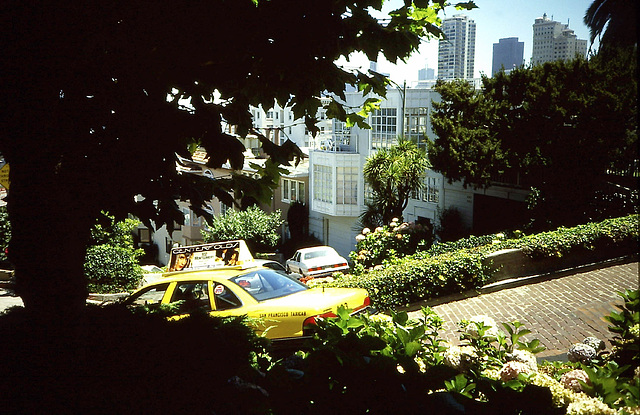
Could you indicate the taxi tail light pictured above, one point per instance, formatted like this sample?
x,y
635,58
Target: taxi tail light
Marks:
x,y
312,321
315,269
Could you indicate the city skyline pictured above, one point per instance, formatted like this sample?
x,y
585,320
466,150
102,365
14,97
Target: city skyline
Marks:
x,y
494,20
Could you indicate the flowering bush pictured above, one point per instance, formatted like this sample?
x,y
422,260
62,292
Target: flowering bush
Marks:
x,y
395,240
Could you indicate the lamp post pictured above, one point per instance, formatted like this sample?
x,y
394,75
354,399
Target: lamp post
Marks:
x,y
403,94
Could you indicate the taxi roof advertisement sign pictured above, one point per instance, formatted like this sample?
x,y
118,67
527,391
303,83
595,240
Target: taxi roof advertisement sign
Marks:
x,y
224,254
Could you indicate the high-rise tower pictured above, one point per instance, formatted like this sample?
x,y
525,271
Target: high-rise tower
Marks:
x,y
508,53
456,53
553,41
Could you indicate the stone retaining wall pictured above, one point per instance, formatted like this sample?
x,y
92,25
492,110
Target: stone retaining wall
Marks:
x,y
513,263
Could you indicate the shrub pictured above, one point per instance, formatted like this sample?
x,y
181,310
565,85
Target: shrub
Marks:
x,y
112,261
451,226
454,267
260,230
419,277
395,240
111,269
588,236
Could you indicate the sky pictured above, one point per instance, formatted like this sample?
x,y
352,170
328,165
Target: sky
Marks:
x,y
495,19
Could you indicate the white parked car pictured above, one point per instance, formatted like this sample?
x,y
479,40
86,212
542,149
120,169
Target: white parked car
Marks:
x,y
318,261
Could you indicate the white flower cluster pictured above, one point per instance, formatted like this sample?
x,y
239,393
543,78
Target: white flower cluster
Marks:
x,y
490,333
524,356
589,407
594,342
581,352
577,403
461,358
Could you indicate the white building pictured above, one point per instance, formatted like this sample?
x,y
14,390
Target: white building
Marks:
x,y
457,51
337,188
553,41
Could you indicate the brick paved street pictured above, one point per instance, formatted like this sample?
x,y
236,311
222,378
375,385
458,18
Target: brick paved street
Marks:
x,y
559,312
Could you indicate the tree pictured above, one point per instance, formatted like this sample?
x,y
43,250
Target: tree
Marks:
x,y
615,21
392,174
564,127
93,109
260,230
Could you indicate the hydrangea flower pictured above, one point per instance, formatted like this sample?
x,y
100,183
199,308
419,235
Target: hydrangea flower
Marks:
x,y
581,352
492,332
571,380
360,238
461,358
561,397
524,356
594,342
589,407
512,369
366,231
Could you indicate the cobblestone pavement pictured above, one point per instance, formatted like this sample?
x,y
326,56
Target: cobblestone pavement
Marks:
x,y
559,312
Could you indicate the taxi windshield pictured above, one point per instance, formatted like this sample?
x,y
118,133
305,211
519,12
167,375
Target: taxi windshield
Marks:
x,y
266,284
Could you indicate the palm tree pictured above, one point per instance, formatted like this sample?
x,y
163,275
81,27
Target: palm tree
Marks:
x,y
393,174
614,22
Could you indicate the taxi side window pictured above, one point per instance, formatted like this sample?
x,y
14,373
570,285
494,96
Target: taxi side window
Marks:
x,y
194,296
153,295
225,299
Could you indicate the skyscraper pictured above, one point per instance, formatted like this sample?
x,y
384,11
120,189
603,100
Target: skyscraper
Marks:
x,y
457,51
508,53
554,41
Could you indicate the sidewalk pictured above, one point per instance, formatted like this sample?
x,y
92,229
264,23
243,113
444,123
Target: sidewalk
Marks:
x,y
559,311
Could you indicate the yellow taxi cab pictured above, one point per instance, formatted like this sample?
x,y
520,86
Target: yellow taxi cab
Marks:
x,y
212,280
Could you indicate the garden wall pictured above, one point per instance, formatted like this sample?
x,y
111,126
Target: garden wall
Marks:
x,y
513,263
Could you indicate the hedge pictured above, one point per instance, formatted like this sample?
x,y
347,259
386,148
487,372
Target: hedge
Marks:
x,y
456,267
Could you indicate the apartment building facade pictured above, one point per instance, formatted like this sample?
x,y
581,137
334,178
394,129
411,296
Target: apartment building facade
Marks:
x,y
553,41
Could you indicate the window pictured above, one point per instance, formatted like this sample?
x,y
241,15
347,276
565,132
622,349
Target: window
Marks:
x,y
150,296
224,298
416,125
383,128
347,185
292,191
431,191
193,295
144,234
322,183
224,208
